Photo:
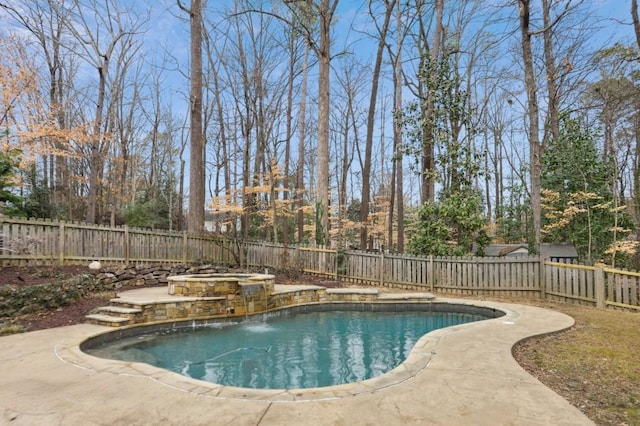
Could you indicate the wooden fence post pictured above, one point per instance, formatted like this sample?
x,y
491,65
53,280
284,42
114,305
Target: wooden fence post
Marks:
x,y
127,245
382,269
542,280
599,287
185,247
61,240
430,275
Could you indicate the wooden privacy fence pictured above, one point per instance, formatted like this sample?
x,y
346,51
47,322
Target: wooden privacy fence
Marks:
x,y
528,276
457,275
32,241
29,241
599,285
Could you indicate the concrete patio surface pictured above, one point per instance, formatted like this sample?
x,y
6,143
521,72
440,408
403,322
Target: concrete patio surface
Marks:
x,y
469,378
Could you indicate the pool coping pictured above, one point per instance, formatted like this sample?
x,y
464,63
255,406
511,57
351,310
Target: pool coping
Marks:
x,y
417,360
470,377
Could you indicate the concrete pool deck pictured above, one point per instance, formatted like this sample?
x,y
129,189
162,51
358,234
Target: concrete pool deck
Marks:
x,y
470,378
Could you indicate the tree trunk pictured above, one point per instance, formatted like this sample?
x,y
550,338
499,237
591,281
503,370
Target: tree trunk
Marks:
x,y
195,219
636,21
366,171
551,72
224,144
344,171
427,192
301,137
397,131
95,157
288,136
326,12
533,116
487,177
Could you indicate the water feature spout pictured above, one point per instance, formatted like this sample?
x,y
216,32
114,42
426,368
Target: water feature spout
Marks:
x,y
250,294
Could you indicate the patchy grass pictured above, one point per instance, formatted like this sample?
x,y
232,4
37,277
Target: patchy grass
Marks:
x,y
6,329
595,365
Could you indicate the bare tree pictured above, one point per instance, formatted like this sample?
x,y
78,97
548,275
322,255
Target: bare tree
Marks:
x,y
114,29
301,140
195,217
45,21
324,11
224,161
555,75
122,119
533,115
348,116
397,136
366,171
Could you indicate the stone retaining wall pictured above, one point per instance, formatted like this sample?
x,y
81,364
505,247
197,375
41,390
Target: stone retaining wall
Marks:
x,y
163,311
297,297
150,275
214,285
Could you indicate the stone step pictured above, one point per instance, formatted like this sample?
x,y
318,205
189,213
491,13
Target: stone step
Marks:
x,y
120,311
108,320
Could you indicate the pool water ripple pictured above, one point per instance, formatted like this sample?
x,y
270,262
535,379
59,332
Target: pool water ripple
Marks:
x,y
304,350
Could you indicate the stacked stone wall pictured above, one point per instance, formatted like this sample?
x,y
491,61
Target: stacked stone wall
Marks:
x,y
150,275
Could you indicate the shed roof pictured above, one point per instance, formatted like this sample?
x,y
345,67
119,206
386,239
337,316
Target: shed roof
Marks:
x,y
558,250
547,250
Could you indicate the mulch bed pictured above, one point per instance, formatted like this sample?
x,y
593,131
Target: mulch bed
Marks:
x,y
75,313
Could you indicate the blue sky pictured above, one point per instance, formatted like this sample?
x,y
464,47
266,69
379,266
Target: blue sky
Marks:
x,y
167,34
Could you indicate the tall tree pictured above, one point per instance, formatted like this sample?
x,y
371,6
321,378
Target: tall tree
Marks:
x,y
556,73
195,217
308,15
302,128
326,10
429,58
533,115
45,21
389,6
103,29
224,161
397,133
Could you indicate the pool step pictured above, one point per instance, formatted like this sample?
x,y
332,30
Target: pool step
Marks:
x,y
121,311
108,320
115,316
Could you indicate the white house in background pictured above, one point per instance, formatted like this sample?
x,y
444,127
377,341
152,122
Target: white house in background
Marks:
x,y
216,221
506,250
560,252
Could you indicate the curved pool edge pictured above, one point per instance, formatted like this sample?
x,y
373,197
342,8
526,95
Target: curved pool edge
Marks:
x,y
418,360
472,378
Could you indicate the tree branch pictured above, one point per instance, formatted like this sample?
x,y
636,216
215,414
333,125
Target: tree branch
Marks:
x,y
183,8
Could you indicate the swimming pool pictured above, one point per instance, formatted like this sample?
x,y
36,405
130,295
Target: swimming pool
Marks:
x,y
314,346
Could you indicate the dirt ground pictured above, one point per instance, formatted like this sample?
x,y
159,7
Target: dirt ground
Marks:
x,y
572,363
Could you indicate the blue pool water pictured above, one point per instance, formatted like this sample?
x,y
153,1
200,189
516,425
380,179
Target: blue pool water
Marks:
x,y
291,351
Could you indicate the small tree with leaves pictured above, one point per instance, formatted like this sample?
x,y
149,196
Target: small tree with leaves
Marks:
x,y
451,226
